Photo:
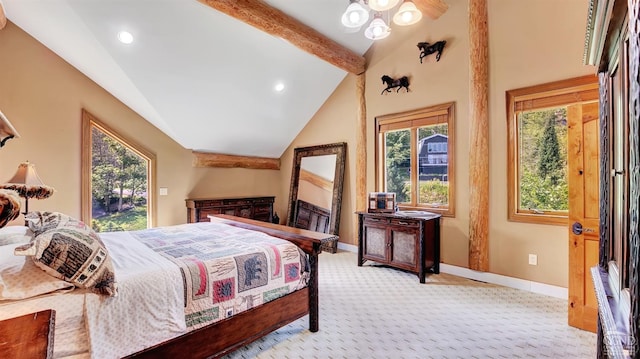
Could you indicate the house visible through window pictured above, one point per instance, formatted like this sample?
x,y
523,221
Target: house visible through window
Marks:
x,y
414,158
117,177
537,152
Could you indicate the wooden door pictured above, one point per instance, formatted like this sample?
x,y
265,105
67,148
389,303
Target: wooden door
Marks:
x,y
583,177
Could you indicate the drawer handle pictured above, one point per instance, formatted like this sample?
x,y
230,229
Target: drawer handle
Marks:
x,y
403,223
373,220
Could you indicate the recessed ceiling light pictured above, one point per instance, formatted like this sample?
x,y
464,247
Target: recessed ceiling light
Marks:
x,y
279,87
125,37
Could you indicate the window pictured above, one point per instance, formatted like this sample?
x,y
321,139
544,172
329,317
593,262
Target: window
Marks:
x,y
414,158
537,148
117,179
619,188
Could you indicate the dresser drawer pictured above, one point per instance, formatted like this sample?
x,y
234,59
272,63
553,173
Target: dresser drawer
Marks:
x,y
376,220
407,223
208,203
262,209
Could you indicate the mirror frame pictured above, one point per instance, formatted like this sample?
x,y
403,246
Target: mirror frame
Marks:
x,y
340,150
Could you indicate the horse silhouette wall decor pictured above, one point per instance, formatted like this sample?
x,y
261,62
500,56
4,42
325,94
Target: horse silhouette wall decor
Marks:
x,y
393,83
428,49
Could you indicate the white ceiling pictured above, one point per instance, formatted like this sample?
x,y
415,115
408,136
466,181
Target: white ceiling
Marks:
x,y
200,76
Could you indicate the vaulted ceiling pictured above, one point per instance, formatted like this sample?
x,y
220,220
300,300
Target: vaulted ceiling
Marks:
x,y
203,77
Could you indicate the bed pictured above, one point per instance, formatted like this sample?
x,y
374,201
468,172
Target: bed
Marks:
x,y
250,318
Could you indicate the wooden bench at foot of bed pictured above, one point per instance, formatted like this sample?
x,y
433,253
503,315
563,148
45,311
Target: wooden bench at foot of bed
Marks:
x,y
225,336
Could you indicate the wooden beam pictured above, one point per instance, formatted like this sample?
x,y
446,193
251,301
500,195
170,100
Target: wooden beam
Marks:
x,y
260,15
432,8
479,137
316,180
205,159
361,145
3,18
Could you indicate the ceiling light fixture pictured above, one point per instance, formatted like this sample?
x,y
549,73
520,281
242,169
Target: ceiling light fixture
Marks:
x,y
408,14
125,37
382,5
357,14
377,29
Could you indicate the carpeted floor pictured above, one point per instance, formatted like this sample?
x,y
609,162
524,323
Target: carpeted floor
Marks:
x,y
379,312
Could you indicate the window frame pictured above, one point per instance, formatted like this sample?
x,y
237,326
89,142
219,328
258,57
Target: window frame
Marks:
x,y
89,122
539,97
432,115
619,242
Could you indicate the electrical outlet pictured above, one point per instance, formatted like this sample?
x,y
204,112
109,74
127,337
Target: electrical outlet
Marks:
x,y
533,259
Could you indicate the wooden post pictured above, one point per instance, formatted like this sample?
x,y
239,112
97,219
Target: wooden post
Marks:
x,y
3,18
478,137
361,147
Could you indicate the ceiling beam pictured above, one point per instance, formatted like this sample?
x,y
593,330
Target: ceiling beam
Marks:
x,y
260,15
3,17
206,159
432,8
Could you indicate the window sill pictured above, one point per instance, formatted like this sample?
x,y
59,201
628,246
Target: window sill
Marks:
x,y
533,218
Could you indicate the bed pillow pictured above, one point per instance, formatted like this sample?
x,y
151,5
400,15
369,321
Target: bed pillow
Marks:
x,y
39,222
70,251
14,234
20,278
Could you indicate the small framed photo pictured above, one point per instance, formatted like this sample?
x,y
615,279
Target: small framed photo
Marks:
x,y
382,202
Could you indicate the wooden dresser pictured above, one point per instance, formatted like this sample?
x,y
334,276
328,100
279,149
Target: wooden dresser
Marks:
x,y
409,241
259,208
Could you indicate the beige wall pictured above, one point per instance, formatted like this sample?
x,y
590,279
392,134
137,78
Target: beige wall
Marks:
x,y
314,194
530,42
42,96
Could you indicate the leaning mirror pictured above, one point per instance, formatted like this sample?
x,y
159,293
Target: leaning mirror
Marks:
x,y
317,179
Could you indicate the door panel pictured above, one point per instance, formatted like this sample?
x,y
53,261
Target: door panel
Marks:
x,y
375,243
584,186
403,250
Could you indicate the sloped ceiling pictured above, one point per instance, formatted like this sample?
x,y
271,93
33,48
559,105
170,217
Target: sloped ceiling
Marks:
x,y
202,77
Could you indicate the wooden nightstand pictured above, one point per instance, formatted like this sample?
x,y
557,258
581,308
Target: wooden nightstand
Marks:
x,y
28,336
409,240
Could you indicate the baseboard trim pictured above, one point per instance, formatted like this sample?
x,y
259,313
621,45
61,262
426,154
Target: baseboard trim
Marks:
x,y
517,283
348,247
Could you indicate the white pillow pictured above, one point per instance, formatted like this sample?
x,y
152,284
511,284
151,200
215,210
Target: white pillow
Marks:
x,y
15,234
20,278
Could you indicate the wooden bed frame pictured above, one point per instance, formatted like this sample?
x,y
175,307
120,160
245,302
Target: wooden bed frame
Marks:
x,y
227,335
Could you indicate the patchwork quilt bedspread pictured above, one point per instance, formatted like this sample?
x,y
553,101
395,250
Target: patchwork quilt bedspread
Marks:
x,y
227,269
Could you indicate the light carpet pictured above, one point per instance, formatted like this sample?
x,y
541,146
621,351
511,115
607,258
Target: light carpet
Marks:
x,y
379,312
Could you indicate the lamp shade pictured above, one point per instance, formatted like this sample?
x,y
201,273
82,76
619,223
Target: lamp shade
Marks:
x,y
382,5
27,183
408,14
355,15
377,30
7,131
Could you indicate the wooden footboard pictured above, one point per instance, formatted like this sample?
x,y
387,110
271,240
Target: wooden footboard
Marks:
x,y
223,337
